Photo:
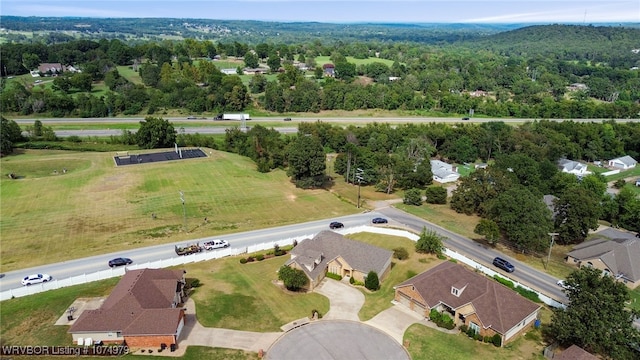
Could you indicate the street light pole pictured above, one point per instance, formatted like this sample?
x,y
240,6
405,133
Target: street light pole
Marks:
x,y
550,246
184,210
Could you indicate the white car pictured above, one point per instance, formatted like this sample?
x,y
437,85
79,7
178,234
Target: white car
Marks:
x,y
562,284
35,279
216,244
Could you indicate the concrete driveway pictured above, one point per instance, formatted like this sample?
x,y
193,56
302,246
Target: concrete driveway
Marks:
x,y
344,300
395,321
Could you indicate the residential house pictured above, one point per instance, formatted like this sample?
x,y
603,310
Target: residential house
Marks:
x,y
471,299
626,162
618,257
573,167
229,71
329,70
443,172
577,87
142,310
331,252
51,68
575,352
481,166
255,71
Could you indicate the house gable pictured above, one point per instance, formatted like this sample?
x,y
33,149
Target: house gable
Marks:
x,y
620,257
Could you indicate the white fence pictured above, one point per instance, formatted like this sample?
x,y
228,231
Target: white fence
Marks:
x,y
231,251
609,173
162,263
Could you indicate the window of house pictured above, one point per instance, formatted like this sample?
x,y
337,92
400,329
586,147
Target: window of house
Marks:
x,y
589,264
454,291
475,327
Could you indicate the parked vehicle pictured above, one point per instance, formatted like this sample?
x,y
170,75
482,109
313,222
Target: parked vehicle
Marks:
x,y
336,225
503,264
287,119
119,262
35,279
188,250
465,118
216,244
379,220
232,117
191,117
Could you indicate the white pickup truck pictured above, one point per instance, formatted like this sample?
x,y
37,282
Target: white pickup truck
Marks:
x,y
216,244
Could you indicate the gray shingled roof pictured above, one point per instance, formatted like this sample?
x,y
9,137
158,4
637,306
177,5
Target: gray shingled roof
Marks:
x,y
496,305
574,352
621,256
362,257
627,160
141,303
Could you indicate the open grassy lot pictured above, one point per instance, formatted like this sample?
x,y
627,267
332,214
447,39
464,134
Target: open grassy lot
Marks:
x,y
128,73
426,344
321,60
96,207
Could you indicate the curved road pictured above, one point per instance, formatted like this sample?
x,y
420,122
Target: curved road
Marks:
x,y
524,274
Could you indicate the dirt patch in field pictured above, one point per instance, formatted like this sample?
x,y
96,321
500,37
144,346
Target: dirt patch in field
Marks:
x,y
111,183
291,197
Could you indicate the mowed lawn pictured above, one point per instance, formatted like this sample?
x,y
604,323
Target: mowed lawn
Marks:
x,y
49,215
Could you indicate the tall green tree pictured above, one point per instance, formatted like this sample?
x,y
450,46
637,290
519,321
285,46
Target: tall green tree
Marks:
x,y
522,217
489,229
10,133
372,282
306,160
250,60
155,133
596,317
274,61
576,212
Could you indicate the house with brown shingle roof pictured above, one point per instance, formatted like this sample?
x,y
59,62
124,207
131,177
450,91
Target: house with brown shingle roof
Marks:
x,y
470,298
331,252
619,258
51,68
575,352
142,310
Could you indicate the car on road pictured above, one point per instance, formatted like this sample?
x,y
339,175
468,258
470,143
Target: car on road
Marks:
x,y
191,117
563,284
379,220
503,264
119,262
216,244
465,118
35,279
336,225
287,119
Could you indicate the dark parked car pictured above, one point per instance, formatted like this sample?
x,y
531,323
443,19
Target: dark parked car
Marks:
x,y
336,225
287,119
503,264
379,221
119,262
465,118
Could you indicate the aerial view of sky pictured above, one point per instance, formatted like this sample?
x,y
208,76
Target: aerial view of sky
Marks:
x,y
349,11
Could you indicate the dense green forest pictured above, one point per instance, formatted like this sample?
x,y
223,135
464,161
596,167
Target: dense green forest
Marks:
x,y
585,78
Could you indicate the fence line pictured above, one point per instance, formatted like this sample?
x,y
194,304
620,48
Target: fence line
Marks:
x,y
231,251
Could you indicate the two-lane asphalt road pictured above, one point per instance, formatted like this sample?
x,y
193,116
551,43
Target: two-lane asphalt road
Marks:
x,y
524,274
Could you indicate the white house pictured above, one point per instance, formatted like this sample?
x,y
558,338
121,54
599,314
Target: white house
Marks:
x,y
573,167
229,71
624,163
443,172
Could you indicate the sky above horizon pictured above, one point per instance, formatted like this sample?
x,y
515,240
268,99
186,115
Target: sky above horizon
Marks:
x,y
421,11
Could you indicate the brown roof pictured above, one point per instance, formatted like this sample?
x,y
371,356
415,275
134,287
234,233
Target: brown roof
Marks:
x,y
575,352
621,256
496,305
141,303
362,257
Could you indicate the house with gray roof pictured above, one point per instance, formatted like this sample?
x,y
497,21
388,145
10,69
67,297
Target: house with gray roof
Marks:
x,y
331,252
574,352
573,167
470,298
443,172
625,162
142,310
619,258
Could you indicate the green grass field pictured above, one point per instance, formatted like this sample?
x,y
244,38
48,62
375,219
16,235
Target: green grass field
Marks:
x,y
96,207
321,60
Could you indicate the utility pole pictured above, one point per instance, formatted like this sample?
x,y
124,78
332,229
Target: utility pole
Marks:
x,y
550,246
359,177
184,210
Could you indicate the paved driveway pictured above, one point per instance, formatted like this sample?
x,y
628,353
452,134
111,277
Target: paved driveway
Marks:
x,y
395,321
344,300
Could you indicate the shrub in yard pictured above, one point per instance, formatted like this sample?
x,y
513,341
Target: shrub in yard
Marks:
x,y
243,260
529,294
412,197
251,259
314,311
504,281
259,257
400,253
464,328
619,184
194,283
496,340
436,195
352,280
372,282
477,337
487,339
334,276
